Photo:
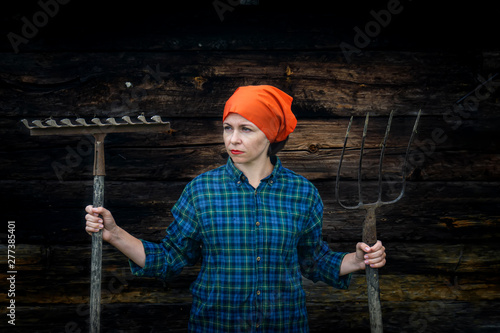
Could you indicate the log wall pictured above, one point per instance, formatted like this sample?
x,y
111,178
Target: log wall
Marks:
x,y
182,63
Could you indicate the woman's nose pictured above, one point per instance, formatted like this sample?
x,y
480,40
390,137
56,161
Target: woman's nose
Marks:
x,y
235,137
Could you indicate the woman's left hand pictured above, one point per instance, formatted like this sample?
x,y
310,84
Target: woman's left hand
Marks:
x,y
374,256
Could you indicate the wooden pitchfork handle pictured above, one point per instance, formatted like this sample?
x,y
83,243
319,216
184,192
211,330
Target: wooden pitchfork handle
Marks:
x,y
370,238
96,260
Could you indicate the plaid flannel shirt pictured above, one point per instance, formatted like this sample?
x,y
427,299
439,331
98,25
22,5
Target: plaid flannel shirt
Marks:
x,y
254,245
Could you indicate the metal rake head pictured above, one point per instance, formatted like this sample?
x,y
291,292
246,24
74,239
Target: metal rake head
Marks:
x,y
379,201
109,125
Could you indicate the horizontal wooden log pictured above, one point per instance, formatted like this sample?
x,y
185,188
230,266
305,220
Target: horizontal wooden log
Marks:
x,y
435,133
74,163
451,263
181,84
415,273
430,316
394,290
428,211
445,299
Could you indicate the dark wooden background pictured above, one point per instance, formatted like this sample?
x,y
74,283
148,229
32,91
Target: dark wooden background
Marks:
x,y
182,61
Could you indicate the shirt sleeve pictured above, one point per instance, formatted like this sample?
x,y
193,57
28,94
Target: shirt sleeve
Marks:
x,y
180,247
317,261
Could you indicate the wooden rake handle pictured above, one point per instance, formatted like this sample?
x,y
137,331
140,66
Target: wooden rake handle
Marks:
x,y
98,129
96,259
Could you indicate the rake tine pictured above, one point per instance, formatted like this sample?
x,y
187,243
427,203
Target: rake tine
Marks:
x,y
82,121
157,119
403,182
27,124
382,152
143,119
128,120
52,123
97,121
112,121
68,122
39,124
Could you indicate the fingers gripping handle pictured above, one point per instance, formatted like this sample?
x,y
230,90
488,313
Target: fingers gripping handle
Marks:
x,y
370,238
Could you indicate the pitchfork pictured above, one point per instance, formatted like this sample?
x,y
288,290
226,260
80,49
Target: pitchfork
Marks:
x,y
99,130
369,224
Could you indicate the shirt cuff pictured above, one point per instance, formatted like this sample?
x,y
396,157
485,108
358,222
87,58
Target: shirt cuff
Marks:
x,y
149,269
345,280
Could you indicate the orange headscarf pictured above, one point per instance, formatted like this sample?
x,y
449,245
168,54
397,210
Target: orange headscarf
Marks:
x,y
265,106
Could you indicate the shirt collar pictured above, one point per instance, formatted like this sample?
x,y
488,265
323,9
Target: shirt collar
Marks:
x,y
237,175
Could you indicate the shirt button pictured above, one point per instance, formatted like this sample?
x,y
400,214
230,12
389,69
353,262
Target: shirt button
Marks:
x,y
258,258
258,292
257,224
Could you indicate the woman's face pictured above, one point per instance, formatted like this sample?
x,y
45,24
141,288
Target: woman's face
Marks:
x,y
245,142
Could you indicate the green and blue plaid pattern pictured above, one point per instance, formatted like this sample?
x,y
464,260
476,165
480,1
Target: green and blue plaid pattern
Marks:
x,y
254,245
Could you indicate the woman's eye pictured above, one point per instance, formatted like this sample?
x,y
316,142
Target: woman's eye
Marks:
x,y
227,128
246,129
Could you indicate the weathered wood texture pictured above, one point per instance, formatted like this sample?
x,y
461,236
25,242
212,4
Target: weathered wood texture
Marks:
x,y
442,270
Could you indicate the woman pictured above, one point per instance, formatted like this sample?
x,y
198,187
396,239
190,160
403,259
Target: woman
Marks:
x,y
255,225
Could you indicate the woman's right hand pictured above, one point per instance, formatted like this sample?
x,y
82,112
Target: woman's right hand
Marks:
x,y
100,219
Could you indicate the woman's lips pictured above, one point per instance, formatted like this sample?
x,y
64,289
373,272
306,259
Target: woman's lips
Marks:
x,y
236,152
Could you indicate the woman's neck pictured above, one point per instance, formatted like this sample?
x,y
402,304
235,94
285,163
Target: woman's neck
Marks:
x,y
255,173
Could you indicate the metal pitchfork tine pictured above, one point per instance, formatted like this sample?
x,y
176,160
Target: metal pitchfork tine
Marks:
x,y
369,224
99,130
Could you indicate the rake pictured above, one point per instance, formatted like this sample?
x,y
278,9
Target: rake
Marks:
x,y
369,224
98,129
